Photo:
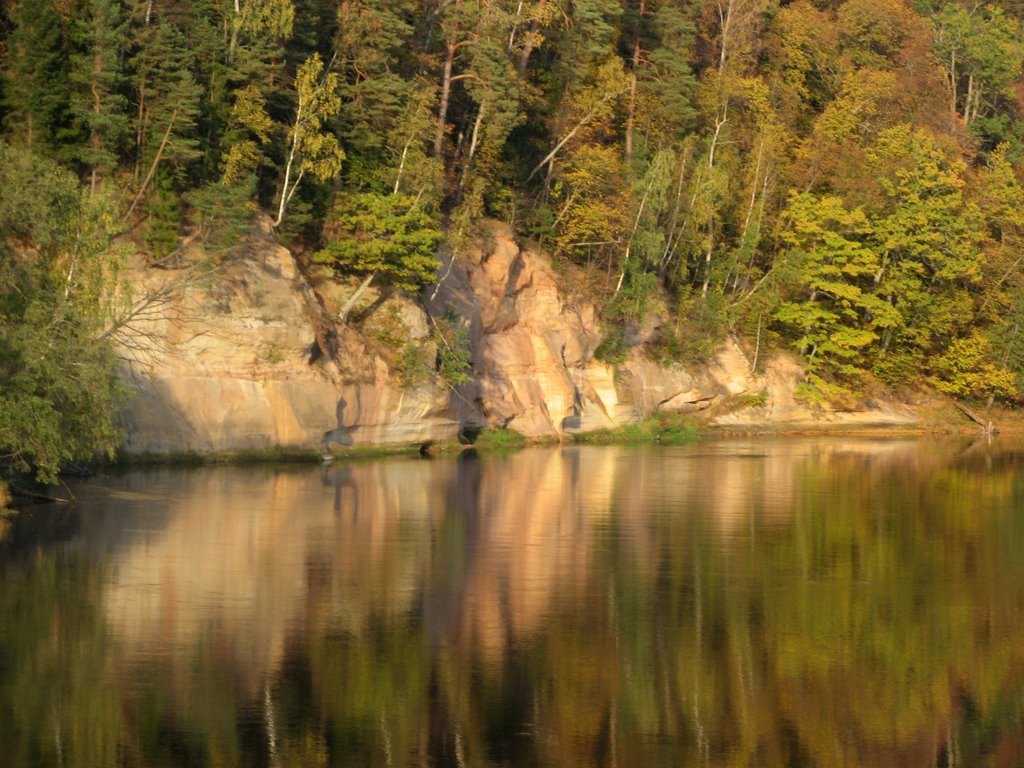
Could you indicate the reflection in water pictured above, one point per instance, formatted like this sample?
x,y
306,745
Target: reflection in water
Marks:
x,y
765,603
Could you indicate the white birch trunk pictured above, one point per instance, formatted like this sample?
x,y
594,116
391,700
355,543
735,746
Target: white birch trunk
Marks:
x,y
285,196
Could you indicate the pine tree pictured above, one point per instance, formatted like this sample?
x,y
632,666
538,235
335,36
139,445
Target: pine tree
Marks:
x,y
163,216
98,104
36,74
373,36
666,83
384,237
168,97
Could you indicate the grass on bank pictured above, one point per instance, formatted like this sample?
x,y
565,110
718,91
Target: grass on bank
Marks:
x,y
666,429
659,429
499,440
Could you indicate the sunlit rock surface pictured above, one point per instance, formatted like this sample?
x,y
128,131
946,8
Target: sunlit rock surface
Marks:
x,y
534,344
229,360
777,387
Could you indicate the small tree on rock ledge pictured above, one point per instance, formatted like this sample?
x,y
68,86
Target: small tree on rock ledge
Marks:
x,y
389,238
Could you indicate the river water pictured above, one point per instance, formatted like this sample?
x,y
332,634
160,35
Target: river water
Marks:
x,y
797,602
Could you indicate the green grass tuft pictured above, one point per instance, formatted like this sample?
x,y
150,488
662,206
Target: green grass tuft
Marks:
x,y
660,429
499,440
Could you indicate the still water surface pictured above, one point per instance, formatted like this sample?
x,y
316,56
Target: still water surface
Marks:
x,y
826,602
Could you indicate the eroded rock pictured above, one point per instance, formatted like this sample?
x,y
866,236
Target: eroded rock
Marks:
x,y
235,360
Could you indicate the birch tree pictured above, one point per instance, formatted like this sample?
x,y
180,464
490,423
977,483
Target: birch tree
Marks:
x,y
311,148
982,53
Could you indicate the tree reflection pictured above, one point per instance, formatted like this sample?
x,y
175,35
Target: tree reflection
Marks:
x,y
58,685
798,603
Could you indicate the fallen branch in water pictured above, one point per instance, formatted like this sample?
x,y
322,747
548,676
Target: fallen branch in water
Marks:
x,y
26,493
986,426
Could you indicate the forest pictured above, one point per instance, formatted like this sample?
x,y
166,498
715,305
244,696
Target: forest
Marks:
x,y
842,179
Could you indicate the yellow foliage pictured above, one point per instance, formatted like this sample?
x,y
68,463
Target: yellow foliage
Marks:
x,y
966,370
858,110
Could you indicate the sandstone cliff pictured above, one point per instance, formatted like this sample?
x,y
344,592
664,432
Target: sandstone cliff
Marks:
x,y
231,359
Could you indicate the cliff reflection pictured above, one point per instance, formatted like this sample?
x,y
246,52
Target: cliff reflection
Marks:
x,y
741,603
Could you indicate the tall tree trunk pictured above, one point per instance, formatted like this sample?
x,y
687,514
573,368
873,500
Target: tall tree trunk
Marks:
x,y
725,24
94,133
751,205
969,99
630,118
753,188
631,105
401,166
235,24
529,45
719,123
709,251
474,142
952,79
446,87
632,234
672,227
515,26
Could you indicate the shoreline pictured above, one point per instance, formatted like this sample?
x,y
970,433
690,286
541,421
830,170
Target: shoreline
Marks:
x,y
939,419
656,431
630,435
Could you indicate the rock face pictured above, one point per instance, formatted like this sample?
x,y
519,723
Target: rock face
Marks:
x,y
781,407
534,366
223,362
229,360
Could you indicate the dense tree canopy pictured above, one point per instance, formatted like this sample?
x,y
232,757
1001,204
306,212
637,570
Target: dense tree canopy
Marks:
x,y
845,174
57,382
